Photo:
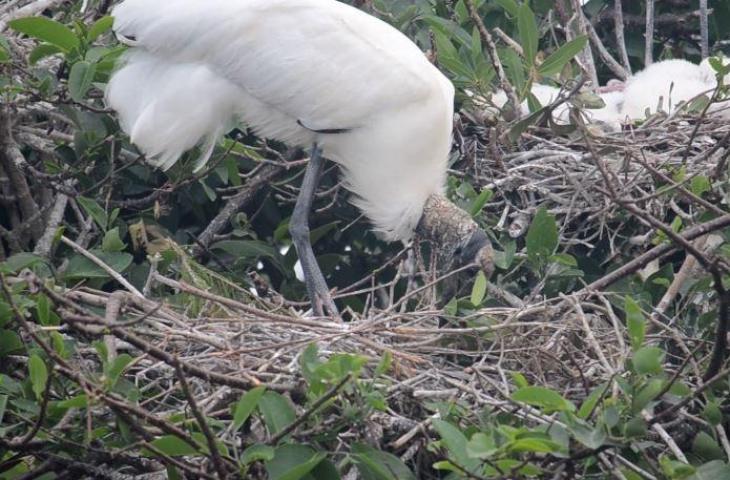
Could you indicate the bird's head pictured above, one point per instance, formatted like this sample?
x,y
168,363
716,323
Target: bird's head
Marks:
x,y
458,240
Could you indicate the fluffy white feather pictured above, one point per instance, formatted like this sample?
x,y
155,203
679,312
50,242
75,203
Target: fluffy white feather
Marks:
x,y
287,68
663,85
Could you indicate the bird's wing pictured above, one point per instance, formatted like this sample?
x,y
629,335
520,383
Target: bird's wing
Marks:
x,y
322,63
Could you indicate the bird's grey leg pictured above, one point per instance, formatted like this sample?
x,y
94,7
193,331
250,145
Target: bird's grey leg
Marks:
x,y
319,293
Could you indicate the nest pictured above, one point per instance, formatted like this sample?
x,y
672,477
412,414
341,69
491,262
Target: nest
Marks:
x,y
226,344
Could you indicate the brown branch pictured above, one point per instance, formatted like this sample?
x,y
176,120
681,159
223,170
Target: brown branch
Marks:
x,y
236,203
618,18
704,30
11,159
493,56
220,467
649,34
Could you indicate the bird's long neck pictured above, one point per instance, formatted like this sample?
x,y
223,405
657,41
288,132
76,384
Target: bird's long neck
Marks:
x,y
445,224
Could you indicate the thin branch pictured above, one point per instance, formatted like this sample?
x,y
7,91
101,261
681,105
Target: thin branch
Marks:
x,y
618,18
704,30
649,34
493,56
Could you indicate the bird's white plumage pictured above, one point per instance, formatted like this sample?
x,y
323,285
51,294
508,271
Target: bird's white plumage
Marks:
x,y
663,85
287,68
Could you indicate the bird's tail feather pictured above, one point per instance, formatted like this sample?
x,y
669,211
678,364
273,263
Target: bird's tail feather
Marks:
x,y
168,108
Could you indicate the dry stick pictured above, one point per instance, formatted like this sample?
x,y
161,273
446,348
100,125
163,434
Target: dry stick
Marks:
x,y
679,280
237,202
704,30
45,243
158,353
209,437
618,18
100,263
719,349
689,398
588,62
11,160
29,10
649,34
493,56
605,55
73,374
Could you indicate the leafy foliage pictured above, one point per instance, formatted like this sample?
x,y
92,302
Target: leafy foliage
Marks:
x,y
135,222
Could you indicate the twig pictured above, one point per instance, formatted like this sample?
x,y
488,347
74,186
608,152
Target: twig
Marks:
x,y
704,30
100,263
202,423
618,18
236,203
588,62
649,34
493,56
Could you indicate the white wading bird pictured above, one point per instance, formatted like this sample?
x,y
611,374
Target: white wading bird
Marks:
x,y
312,73
663,85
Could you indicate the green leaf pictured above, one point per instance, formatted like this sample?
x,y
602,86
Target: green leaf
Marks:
x,y
555,62
384,364
535,445
246,405
455,443
257,452
47,30
277,411
112,242
4,50
93,209
545,398
80,79
246,248
635,428
101,26
510,6
479,290
478,203
481,445
635,322
80,267
542,236
713,470
292,462
38,375
700,184
378,465
712,413
43,308
10,343
174,447
529,35
116,368
648,360
589,404
42,51
3,405
704,446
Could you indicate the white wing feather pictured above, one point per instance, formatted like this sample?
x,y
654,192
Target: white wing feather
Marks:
x,y
288,68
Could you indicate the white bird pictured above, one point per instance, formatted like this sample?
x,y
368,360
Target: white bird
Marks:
x,y
311,73
664,85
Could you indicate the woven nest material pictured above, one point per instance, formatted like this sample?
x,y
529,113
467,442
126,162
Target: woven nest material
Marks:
x,y
230,342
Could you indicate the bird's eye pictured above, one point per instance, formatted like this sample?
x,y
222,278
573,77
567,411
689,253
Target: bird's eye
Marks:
x,y
457,252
